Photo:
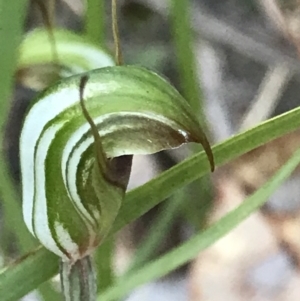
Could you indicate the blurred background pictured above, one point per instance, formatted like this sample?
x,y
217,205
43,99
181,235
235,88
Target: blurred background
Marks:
x,y
247,69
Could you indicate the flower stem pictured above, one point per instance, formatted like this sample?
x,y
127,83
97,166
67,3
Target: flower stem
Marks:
x,y
116,35
78,280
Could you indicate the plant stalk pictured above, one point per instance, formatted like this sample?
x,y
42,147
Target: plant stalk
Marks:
x,y
95,21
116,34
78,280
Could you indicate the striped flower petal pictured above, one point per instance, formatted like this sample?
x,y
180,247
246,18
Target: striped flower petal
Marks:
x,y
69,204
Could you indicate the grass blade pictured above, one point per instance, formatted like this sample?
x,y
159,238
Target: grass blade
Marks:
x,y
104,264
201,241
43,261
10,37
157,232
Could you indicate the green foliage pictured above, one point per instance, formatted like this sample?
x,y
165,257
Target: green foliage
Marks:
x,y
202,240
10,37
40,265
159,229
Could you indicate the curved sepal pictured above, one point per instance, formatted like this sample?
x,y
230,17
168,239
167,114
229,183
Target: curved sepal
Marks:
x,y
69,203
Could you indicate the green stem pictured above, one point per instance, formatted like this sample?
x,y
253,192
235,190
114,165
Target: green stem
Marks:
x,y
183,42
116,35
95,21
78,280
52,12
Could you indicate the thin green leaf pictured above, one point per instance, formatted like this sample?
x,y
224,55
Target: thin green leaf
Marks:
x,y
10,36
158,230
198,201
203,240
49,293
104,262
42,265
42,259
